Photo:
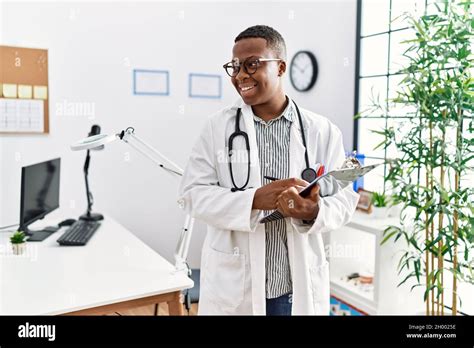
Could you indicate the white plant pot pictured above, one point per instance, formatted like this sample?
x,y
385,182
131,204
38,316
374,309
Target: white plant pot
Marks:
x,y
18,248
395,210
379,212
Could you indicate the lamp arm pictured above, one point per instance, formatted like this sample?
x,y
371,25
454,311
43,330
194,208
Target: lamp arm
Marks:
x,y
154,155
182,248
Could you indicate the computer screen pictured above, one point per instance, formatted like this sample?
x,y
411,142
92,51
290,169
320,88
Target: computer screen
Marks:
x,y
39,190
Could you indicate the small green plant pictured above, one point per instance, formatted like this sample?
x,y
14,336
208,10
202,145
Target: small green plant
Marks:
x,y
379,200
395,199
17,238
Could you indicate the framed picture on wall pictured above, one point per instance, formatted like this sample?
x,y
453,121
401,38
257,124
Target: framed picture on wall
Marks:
x,y
365,200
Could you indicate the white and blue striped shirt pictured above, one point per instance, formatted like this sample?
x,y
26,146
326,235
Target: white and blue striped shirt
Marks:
x,y
273,142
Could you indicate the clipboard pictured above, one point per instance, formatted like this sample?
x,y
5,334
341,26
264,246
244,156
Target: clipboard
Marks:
x,y
344,176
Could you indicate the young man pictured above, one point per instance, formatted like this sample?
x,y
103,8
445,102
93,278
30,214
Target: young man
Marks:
x,y
248,162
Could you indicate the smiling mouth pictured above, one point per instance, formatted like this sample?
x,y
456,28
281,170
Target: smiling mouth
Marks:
x,y
247,88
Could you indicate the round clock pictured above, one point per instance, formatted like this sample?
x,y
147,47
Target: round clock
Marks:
x,y
303,71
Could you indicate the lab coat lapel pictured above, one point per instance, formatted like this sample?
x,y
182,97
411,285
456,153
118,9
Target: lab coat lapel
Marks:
x,y
257,238
297,164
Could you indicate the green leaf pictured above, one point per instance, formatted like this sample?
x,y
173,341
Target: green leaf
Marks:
x,y
416,264
428,289
390,235
18,237
410,275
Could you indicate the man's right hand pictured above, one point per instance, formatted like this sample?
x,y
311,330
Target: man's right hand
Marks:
x,y
266,197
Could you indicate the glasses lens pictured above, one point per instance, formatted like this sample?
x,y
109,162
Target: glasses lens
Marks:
x,y
231,69
251,65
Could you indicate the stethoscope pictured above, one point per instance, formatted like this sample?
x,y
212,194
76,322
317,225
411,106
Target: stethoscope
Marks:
x,y
308,174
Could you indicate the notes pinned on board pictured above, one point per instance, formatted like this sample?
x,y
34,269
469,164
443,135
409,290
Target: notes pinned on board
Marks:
x,y
21,115
25,91
9,90
40,92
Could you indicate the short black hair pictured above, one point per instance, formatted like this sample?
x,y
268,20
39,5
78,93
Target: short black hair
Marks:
x,y
274,39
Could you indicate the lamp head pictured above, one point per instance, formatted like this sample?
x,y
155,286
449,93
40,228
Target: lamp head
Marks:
x,y
95,130
93,142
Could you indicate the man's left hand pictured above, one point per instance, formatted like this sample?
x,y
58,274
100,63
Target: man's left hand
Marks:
x,y
291,204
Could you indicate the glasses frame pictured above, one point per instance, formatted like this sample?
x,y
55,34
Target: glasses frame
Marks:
x,y
259,60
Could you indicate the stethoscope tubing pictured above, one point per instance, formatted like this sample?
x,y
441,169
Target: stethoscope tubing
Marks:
x,y
308,174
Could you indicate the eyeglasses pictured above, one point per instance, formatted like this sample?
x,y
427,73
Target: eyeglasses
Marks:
x,y
250,64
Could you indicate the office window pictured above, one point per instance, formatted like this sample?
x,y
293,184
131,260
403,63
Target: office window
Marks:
x,y
380,30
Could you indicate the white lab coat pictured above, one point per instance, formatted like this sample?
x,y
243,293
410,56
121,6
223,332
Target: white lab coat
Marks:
x,y
233,254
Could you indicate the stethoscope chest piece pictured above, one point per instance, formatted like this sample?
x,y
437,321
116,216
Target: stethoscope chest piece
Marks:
x,y
309,175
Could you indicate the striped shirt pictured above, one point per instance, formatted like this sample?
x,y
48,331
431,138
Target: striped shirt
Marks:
x,y
273,142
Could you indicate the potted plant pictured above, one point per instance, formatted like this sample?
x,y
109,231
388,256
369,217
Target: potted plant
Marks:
x,y
18,242
395,205
379,203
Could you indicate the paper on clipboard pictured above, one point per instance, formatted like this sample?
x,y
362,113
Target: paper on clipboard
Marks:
x,y
352,174
330,183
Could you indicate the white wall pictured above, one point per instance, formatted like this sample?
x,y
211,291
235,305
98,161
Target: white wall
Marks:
x,y
93,48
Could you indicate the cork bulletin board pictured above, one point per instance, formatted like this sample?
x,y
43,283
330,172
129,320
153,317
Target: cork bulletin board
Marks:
x,y
24,90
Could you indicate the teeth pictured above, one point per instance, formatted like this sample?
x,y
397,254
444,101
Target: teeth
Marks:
x,y
246,88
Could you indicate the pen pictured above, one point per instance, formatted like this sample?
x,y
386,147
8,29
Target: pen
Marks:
x,y
320,171
270,178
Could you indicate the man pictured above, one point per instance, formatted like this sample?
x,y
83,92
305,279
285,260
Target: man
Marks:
x,y
248,162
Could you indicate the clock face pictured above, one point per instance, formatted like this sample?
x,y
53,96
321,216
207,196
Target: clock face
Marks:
x,y
303,71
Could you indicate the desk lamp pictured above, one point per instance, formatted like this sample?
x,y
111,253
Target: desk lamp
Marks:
x,y
128,135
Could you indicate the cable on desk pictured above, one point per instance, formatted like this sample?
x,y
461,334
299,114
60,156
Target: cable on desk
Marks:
x,y
3,227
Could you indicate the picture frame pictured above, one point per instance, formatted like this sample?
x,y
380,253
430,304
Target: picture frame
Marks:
x,y
365,200
151,82
205,86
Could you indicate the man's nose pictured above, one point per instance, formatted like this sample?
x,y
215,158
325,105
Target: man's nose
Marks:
x,y
242,74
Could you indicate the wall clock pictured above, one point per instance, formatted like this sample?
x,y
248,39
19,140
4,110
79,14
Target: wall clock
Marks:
x,y
303,71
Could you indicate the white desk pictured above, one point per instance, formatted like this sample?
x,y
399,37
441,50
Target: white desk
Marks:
x,y
114,271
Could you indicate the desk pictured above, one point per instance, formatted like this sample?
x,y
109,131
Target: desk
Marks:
x,y
113,272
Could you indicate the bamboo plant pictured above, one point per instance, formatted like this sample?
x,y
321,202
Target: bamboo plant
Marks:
x,y
434,155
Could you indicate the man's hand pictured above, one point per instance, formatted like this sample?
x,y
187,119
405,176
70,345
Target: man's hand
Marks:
x,y
291,204
266,197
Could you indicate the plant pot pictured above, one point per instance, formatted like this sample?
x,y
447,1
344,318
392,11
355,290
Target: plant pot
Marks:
x,y
379,212
18,248
395,210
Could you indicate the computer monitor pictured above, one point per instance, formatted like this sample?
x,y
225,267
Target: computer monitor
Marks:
x,y
39,195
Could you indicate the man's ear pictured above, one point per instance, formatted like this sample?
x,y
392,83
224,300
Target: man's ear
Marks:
x,y
281,68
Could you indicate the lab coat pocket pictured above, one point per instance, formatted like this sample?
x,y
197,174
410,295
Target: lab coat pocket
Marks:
x,y
224,278
320,287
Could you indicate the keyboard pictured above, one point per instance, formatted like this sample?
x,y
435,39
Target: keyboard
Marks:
x,y
79,233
